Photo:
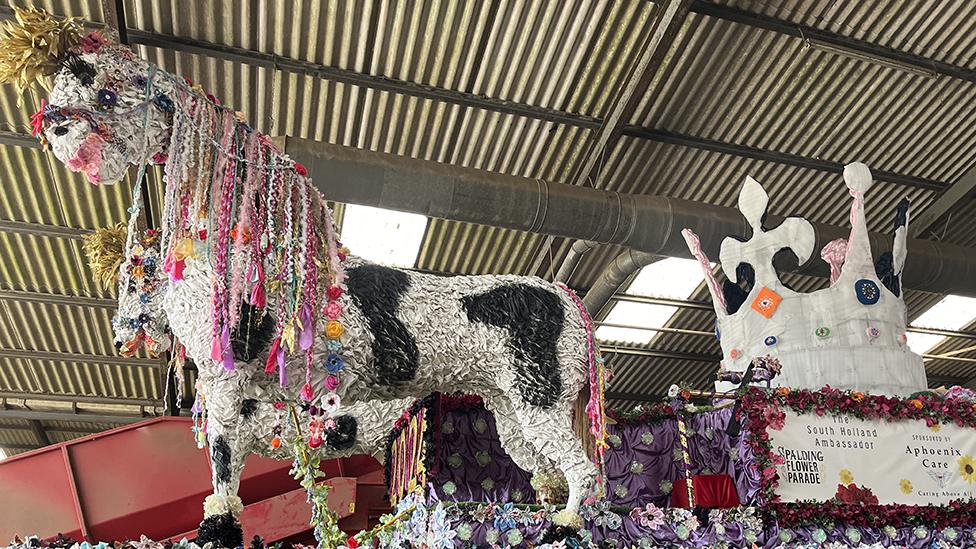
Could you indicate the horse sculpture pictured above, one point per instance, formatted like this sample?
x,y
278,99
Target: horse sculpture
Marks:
x,y
274,310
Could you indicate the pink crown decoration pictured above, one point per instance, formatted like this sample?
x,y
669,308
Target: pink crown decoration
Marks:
x,y
850,335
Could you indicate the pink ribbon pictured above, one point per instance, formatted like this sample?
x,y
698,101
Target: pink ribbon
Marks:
x,y
835,253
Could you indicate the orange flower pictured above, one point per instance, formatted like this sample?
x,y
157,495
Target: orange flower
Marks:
x,y
783,391
334,329
916,403
857,396
685,394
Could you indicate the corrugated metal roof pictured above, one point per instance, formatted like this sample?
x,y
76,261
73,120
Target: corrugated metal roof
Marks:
x,y
723,81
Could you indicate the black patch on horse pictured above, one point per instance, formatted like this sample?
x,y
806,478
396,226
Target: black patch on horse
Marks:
x,y
344,434
220,454
254,333
533,318
377,291
248,407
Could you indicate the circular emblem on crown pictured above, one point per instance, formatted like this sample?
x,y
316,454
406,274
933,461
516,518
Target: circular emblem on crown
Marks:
x,y
867,292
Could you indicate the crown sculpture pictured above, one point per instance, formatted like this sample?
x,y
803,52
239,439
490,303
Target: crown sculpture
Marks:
x,y
293,336
850,335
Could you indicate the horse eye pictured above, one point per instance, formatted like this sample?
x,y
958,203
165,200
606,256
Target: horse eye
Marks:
x,y
60,130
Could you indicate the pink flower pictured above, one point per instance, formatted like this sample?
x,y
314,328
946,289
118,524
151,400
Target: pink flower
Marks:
x,y
331,382
333,310
774,417
93,42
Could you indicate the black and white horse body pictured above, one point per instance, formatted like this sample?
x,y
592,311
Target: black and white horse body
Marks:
x,y
519,342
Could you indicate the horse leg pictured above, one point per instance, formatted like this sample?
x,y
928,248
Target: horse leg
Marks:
x,y
226,451
551,433
512,438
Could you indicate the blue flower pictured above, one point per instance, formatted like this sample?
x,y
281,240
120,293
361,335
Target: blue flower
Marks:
x,y
107,98
164,103
441,529
505,517
333,363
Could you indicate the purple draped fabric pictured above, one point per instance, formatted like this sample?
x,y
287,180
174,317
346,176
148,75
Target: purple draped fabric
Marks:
x,y
642,463
644,460
472,464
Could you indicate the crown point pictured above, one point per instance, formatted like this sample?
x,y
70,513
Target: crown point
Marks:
x,y
857,176
752,202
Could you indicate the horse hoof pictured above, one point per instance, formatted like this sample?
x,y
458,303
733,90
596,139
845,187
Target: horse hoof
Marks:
x,y
568,518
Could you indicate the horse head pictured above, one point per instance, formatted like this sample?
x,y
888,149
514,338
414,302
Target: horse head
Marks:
x,y
140,319
107,109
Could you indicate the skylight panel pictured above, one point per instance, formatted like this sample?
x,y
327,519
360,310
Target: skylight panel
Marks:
x,y
953,312
672,278
383,236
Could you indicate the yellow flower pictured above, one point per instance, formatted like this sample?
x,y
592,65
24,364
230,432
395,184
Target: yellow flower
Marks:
x,y
905,485
846,477
936,427
967,468
334,329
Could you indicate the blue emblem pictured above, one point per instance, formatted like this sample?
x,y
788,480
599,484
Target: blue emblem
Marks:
x,y
867,291
770,341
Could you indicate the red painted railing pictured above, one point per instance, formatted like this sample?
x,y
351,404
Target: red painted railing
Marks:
x,y
149,478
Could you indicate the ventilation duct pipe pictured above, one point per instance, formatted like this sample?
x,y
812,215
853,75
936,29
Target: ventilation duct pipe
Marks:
x,y
573,258
624,265
645,223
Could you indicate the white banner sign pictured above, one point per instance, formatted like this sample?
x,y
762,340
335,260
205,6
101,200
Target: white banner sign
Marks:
x,y
900,462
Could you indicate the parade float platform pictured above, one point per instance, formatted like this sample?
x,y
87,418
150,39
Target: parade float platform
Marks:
x,y
457,489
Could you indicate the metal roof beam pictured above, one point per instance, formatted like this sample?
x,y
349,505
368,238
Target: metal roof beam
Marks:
x,y
84,399
58,299
672,138
113,12
648,62
40,229
17,139
87,430
958,191
78,357
613,349
50,415
884,54
345,76
17,445
39,433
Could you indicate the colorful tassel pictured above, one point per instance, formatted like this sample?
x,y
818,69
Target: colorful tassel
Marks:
x,y
272,362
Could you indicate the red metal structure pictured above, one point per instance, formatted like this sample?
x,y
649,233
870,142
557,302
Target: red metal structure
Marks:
x,y
149,478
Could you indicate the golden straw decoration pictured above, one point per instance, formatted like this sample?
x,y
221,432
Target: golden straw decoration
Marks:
x,y
33,45
105,250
